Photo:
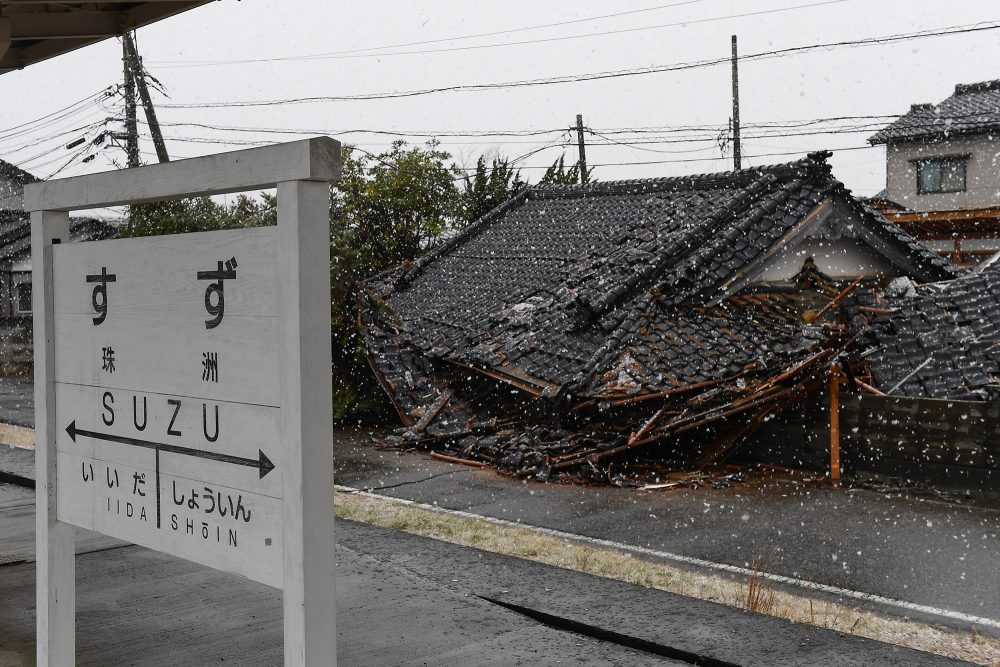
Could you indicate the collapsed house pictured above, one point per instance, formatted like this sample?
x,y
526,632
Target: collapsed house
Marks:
x,y
578,331
937,340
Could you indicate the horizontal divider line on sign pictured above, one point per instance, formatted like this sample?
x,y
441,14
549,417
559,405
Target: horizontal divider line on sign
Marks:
x,y
160,393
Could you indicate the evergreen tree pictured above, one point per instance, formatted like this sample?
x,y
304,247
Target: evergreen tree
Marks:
x,y
490,186
559,174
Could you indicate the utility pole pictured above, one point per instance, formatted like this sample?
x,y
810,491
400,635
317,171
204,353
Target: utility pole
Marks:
x,y
147,102
583,150
131,130
736,110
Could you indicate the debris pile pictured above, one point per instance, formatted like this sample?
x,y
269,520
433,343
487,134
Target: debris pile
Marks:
x,y
938,340
735,365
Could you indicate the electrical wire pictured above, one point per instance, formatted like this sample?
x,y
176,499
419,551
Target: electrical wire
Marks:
x,y
163,63
542,40
657,69
59,114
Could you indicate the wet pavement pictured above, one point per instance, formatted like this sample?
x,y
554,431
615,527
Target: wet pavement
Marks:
x,y
401,600
17,400
917,550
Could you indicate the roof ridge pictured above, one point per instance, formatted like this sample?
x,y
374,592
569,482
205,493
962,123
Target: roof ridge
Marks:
x,y
971,109
692,238
812,162
765,205
979,87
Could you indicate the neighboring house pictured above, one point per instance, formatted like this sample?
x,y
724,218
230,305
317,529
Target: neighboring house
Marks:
x,y
12,182
15,277
15,242
577,321
943,172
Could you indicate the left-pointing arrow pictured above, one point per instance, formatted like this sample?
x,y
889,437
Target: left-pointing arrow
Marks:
x,y
262,463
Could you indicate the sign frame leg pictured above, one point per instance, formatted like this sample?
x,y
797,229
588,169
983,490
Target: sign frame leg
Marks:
x,y
308,598
55,639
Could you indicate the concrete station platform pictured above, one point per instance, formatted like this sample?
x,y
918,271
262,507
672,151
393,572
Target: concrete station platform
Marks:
x,y
401,600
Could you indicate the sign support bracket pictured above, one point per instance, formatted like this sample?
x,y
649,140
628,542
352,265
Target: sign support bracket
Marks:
x,y
307,477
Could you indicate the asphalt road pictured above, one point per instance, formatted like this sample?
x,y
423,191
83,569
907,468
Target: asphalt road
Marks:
x,y
914,549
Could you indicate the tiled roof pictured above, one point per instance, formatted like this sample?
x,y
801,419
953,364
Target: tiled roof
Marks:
x,y
973,109
614,289
15,233
9,172
938,341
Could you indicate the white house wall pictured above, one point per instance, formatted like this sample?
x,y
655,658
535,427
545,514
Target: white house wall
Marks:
x,y
982,173
841,258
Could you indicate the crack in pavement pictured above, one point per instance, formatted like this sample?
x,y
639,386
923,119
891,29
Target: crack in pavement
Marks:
x,y
414,481
556,622
603,634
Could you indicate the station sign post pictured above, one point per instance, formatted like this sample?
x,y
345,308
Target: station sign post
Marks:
x,y
182,386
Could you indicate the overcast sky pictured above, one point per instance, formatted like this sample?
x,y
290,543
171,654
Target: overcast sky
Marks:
x,y
854,81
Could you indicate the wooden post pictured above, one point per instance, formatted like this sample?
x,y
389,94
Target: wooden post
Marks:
x,y
581,146
139,79
54,540
131,128
307,518
835,423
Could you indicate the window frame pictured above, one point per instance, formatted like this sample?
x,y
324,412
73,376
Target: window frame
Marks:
x,y
18,286
943,159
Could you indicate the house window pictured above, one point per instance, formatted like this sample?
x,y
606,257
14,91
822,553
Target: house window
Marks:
x,y
23,298
941,175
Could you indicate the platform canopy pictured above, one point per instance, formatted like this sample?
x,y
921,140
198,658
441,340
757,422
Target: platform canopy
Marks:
x,y
35,30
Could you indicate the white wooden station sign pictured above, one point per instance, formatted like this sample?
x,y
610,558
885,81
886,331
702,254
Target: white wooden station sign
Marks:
x,y
183,387
167,395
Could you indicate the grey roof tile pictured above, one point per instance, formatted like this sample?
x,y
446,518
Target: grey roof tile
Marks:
x,y
955,324
972,109
610,289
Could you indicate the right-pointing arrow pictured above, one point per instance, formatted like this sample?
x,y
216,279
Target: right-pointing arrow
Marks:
x,y
265,464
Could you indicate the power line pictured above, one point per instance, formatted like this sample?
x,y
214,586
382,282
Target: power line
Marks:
x,y
533,152
76,108
956,30
707,159
82,131
176,63
541,40
418,133
626,136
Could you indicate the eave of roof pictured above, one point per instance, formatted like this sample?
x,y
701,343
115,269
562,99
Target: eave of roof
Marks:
x,y
35,30
947,225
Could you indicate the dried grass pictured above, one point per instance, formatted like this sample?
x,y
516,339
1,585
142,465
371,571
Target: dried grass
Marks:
x,y
525,542
759,596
